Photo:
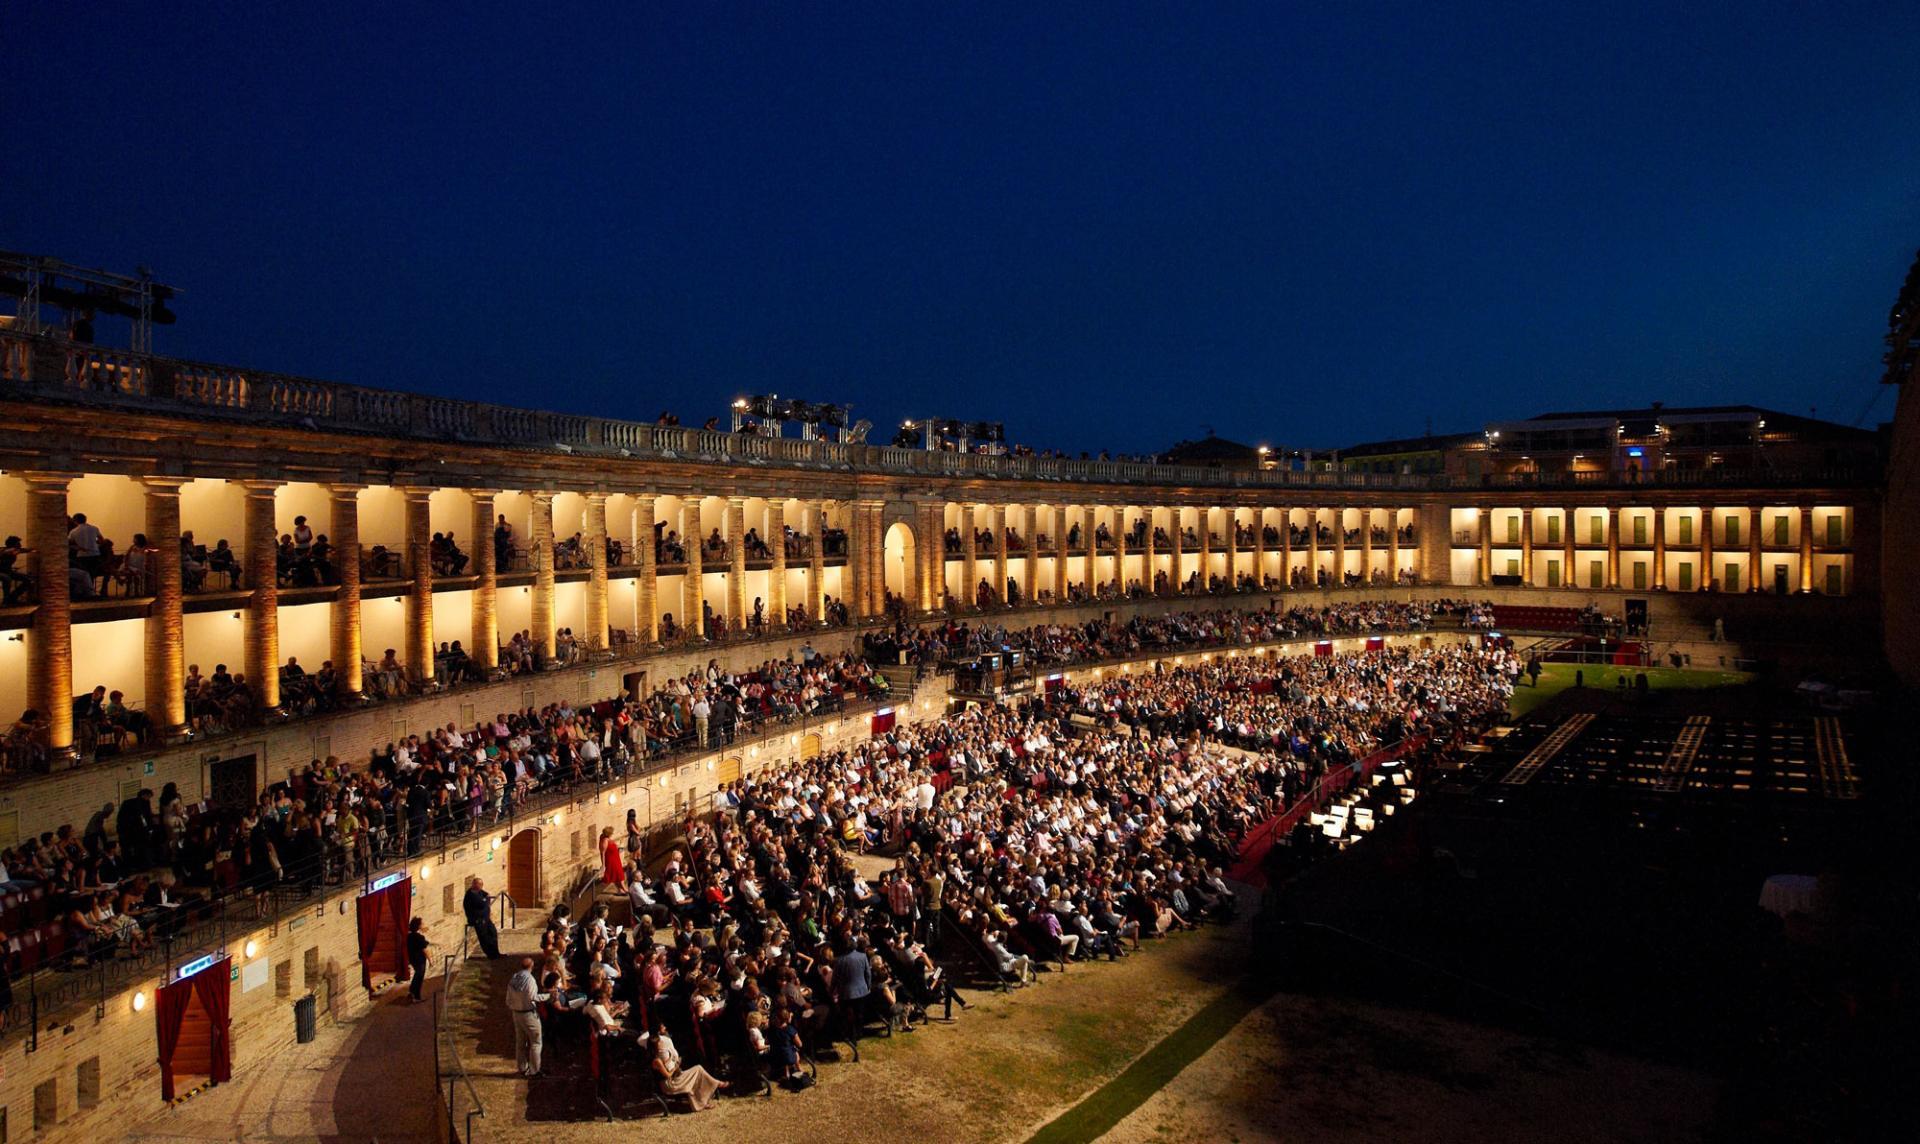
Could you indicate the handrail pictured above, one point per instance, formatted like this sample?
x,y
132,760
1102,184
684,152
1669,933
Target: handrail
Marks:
x,y
67,370
442,1032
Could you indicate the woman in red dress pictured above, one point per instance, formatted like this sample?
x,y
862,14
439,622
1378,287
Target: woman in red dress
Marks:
x,y
615,874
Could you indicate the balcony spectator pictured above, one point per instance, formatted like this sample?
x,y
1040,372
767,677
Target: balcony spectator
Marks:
x,y
83,544
502,544
15,586
224,561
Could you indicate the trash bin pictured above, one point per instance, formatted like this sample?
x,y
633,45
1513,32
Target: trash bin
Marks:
x,y
305,1019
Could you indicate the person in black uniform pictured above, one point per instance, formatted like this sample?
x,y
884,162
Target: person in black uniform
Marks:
x,y
417,944
479,907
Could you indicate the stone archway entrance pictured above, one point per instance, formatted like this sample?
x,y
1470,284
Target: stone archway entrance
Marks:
x,y
902,572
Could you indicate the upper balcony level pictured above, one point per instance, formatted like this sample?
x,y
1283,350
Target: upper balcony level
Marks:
x,y
52,369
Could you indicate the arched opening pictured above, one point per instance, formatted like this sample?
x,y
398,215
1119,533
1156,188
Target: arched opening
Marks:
x,y
523,867
729,771
898,562
809,746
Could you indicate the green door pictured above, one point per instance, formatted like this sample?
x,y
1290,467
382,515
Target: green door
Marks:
x,y
1639,530
1731,579
1836,531
1553,573
1639,576
1733,532
1836,581
1596,574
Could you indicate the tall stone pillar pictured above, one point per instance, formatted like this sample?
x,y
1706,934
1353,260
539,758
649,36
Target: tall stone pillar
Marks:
x,y
1393,546
1366,545
1286,547
1260,547
345,642
1755,511
1000,550
1526,546
737,564
854,583
1206,546
693,591
1233,548
933,555
777,577
1339,546
1613,546
1570,521
263,610
1806,548
540,551
817,563
1706,546
1147,549
50,650
1485,516
595,538
485,651
647,596
166,626
1659,548
420,663
1176,555
969,560
1030,572
1060,581
876,546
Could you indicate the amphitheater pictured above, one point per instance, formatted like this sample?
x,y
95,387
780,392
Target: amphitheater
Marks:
x,y
289,576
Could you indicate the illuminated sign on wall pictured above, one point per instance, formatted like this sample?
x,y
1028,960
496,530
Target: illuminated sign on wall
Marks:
x,y
385,880
196,965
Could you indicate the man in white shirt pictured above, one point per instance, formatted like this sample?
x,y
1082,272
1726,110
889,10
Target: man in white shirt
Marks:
x,y
523,1007
84,539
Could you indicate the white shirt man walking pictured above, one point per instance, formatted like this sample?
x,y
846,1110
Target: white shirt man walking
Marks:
x,y
523,1009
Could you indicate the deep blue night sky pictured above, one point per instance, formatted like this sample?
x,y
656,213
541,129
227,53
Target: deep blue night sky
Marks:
x,y
1105,225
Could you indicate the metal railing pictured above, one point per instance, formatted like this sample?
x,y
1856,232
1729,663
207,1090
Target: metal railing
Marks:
x,y
61,369
450,1068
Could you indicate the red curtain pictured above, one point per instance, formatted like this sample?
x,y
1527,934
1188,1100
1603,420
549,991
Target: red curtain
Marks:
x,y
215,985
371,906
883,723
170,1011
400,902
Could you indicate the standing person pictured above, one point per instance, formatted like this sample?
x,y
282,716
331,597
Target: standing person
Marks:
x,y
613,873
479,909
417,944
523,1006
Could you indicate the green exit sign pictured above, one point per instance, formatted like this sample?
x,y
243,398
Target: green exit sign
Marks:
x,y
147,767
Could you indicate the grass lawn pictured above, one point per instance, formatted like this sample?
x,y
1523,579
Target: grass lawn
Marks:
x,y
1557,677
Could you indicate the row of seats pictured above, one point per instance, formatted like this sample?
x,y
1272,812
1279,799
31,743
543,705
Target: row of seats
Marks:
x,y
1536,618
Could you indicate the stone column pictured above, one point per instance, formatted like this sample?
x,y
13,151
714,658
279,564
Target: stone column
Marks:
x,y
1486,544
1569,525
485,639
876,559
647,602
1339,546
737,564
50,649
933,556
1146,551
1059,554
263,610
1000,550
1205,532
1706,545
777,577
420,663
693,592
349,660
1526,546
854,583
1613,546
817,563
1176,554
1806,549
595,538
1030,574
969,560
540,552
1659,548
1393,546
1260,547
1754,541
1286,547
1366,546
166,627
